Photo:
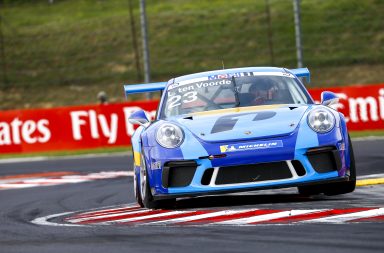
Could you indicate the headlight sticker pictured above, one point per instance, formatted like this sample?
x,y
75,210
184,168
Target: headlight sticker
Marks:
x,y
251,146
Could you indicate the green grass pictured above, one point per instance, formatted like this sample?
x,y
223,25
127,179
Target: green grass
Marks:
x,y
65,53
366,133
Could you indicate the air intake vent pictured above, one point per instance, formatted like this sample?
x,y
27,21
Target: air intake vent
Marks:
x,y
325,159
178,173
206,179
299,168
253,173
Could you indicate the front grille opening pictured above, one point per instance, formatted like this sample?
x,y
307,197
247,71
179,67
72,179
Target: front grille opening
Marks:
x,y
299,168
206,179
178,173
253,173
324,160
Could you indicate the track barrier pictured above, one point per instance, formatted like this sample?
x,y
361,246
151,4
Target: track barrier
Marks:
x,y
106,125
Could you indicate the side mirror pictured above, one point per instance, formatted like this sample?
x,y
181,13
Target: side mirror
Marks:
x,y
329,98
138,118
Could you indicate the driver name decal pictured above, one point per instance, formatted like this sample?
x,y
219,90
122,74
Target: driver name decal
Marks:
x,y
197,85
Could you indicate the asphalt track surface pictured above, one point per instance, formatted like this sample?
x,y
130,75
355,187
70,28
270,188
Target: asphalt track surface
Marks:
x,y
19,207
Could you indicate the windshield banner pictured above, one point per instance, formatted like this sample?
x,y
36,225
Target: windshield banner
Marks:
x,y
95,126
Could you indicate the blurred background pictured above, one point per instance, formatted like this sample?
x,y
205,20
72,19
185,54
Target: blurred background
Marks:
x,y
64,52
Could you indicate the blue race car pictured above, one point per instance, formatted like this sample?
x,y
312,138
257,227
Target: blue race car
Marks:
x,y
239,129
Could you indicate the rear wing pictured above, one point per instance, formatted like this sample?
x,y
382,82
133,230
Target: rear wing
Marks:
x,y
145,87
302,72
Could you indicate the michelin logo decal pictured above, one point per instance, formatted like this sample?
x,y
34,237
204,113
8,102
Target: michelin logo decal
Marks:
x,y
251,146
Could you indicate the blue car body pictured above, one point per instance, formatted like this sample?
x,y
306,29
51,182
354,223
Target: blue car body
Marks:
x,y
242,148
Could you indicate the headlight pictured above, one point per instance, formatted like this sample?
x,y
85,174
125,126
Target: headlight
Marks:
x,y
321,120
169,136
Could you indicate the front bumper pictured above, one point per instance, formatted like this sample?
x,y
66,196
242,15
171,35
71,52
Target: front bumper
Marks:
x,y
253,188
301,152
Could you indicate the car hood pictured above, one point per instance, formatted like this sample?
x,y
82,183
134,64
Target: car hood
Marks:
x,y
244,122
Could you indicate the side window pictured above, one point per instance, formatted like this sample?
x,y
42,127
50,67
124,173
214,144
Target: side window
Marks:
x,y
297,94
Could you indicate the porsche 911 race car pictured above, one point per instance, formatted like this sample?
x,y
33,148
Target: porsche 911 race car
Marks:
x,y
239,129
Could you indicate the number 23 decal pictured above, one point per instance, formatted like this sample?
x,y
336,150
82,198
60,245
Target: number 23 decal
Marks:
x,y
178,99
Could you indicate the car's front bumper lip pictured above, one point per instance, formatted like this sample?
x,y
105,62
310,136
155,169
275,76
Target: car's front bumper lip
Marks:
x,y
296,147
196,186
219,191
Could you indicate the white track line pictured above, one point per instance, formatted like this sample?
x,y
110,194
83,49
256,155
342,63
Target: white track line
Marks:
x,y
150,216
17,186
16,183
97,214
340,219
347,217
371,176
77,220
367,138
98,210
198,217
55,181
44,221
58,158
265,217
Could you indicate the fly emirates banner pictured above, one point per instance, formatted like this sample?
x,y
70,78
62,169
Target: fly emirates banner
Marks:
x,y
94,126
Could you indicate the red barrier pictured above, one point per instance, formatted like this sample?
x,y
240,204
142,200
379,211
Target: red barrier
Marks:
x,y
84,127
68,128
362,106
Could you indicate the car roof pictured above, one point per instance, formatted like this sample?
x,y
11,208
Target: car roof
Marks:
x,y
227,71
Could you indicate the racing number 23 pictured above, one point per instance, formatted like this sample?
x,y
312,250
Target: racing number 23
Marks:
x,y
187,98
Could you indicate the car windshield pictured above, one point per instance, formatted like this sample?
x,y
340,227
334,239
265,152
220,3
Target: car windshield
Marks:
x,y
205,95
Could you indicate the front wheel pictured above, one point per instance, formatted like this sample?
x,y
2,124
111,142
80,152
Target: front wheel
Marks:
x,y
136,188
145,191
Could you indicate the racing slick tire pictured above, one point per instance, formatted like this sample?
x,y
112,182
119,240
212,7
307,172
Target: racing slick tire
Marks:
x,y
145,191
335,188
136,189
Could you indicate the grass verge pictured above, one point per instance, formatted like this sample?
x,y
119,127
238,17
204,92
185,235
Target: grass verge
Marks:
x,y
65,53
367,133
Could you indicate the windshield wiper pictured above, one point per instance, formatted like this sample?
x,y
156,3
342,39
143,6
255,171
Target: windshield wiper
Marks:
x,y
236,92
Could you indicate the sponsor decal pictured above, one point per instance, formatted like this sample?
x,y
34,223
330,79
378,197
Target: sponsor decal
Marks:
x,y
69,128
230,75
242,74
251,146
363,106
185,82
156,165
18,131
341,146
172,91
